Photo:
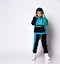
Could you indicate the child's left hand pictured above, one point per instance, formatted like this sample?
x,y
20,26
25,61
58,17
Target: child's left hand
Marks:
x,y
43,15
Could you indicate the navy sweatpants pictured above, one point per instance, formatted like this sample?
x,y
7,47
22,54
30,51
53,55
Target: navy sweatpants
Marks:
x,y
43,41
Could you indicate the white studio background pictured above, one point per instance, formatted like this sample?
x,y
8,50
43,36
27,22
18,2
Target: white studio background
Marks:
x,y
16,31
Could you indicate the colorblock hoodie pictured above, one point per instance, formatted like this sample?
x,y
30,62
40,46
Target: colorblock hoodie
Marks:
x,y
39,21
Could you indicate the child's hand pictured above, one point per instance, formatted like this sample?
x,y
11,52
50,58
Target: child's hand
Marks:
x,y
43,15
34,15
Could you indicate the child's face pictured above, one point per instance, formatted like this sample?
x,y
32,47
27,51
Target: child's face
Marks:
x,y
39,14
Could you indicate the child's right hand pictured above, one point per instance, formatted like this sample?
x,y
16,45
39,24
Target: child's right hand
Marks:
x,y
34,15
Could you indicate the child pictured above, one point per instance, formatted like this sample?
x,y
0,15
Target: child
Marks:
x,y
40,22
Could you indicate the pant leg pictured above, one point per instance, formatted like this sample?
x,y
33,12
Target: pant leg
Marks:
x,y
44,43
36,40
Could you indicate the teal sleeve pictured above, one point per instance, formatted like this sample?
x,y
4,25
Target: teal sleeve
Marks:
x,y
45,21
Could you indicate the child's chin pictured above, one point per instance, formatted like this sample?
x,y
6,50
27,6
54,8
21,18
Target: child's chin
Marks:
x,y
39,16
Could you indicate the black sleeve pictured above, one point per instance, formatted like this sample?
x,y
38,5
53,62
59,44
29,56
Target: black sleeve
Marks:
x,y
33,21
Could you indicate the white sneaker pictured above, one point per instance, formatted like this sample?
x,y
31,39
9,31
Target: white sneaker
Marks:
x,y
47,56
34,56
